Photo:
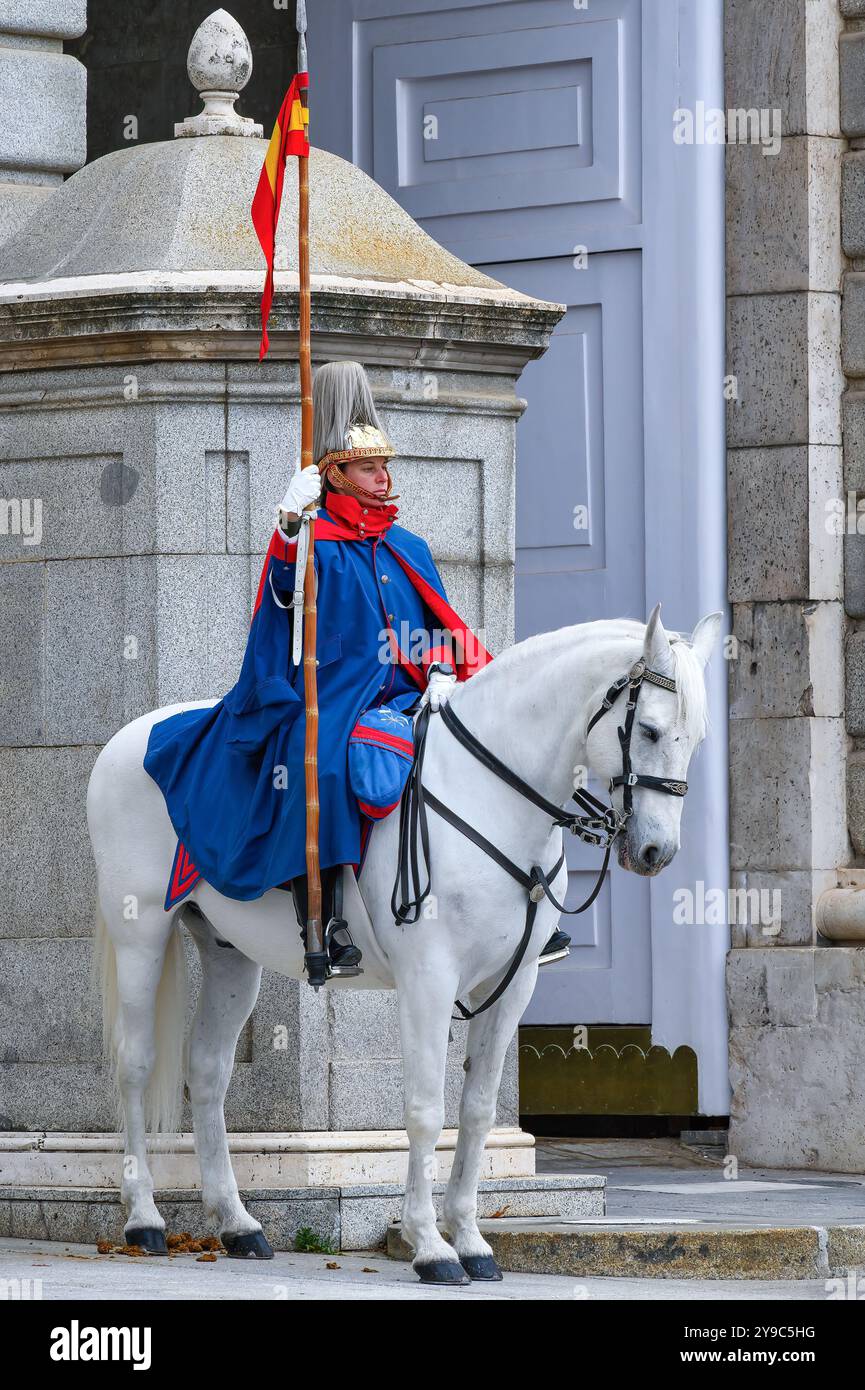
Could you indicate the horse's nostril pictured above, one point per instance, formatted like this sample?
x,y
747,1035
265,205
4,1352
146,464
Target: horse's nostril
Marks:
x,y
650,855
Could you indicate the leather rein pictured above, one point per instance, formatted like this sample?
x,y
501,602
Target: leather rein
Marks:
x,y
594,823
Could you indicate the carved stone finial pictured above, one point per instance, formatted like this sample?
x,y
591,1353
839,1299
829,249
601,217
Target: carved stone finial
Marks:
x,y
219,64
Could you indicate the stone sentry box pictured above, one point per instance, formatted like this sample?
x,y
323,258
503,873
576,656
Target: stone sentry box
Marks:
x,y
143,449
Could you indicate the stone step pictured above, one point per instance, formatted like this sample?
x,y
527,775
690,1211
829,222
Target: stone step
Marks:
x,y
706,1138
625,1248
354,1217
316,1158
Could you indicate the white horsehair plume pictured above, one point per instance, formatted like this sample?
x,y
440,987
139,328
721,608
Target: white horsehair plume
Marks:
x,y
341,397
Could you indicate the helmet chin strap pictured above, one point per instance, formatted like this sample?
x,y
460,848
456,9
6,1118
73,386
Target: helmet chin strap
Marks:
x,y
341,483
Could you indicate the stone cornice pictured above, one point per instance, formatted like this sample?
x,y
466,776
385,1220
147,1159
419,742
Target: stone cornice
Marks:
x,y
196,391
74,323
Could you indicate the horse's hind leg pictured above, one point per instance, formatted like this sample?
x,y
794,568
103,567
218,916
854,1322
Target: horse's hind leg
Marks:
x,y
229,989
489,1037
139,967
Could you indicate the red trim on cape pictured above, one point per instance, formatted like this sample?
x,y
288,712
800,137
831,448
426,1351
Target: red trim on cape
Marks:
x,y
474,654
283,548
399,656
469,655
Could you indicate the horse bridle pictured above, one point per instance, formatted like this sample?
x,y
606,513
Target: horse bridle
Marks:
x,y
594,823
629,779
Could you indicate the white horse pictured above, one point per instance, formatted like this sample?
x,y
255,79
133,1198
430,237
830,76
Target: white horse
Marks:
x,y
531,707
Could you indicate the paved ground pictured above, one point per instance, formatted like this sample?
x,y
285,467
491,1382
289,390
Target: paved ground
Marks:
x,y
662,1180
71,1272
657,1180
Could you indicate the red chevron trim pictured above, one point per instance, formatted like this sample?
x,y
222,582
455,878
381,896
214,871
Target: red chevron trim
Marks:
x,y
182,879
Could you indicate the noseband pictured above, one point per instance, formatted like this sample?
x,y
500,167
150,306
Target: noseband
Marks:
x,y
594,823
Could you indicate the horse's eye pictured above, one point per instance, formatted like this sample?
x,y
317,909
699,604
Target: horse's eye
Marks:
x,y
652,734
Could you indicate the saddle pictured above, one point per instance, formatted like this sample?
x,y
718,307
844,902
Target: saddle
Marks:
x,y
380,757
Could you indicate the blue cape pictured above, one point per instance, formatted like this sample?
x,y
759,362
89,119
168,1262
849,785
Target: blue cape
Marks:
x,y
233,775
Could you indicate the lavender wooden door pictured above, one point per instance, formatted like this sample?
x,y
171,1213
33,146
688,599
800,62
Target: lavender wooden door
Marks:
x,y
535,140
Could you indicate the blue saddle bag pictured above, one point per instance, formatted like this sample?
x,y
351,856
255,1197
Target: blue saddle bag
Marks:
x,y
380,755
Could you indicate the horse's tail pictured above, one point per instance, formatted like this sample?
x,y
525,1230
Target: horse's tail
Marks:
x,y
163,1101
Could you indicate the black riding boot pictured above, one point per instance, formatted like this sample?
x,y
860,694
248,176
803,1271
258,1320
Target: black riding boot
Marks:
x,y
342,949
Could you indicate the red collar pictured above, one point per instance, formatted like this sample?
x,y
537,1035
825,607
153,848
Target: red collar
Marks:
x,y
361,520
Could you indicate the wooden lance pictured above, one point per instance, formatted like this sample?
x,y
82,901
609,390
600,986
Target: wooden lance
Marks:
x,y
316,956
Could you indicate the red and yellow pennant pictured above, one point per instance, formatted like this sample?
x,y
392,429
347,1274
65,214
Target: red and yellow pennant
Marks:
x,y
290,137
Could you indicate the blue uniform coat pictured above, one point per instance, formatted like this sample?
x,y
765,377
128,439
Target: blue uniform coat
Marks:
x,y
233,775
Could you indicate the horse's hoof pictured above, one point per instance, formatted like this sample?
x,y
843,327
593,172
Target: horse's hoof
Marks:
x,y
247,1245
149,1238
442,1272
480,1267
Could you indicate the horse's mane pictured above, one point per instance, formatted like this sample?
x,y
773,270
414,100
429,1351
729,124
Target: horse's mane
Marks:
x,y
550,646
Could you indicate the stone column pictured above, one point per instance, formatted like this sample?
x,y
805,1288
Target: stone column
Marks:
x,y
43,104
795,1003
853,240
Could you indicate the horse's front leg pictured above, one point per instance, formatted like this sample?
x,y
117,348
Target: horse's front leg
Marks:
x,y
426,991
488,1040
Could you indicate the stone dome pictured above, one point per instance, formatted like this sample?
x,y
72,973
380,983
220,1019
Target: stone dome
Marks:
x,y
151,249
183,206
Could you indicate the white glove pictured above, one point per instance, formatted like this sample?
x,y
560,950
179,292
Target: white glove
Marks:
x,y
304,489
440,687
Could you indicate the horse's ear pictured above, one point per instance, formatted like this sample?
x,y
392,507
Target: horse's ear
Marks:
x,y
656,647
705,635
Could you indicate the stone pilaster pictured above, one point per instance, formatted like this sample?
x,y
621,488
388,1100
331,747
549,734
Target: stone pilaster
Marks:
x,y
784,269
787,515
853,240
43,96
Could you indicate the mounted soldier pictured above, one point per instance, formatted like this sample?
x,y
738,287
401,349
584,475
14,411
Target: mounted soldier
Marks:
x,y
234,774
388,643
